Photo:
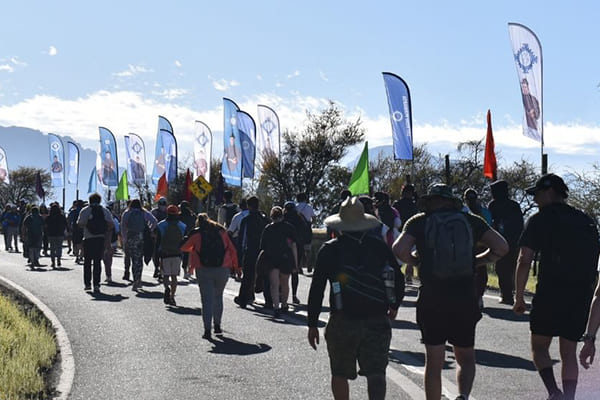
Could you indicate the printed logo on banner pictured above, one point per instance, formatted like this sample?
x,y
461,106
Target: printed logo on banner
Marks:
x,y
525,58
397,115
137,148
55,146
202,139
268,125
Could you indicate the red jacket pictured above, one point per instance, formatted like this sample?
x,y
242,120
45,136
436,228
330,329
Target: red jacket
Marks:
x,y
194,244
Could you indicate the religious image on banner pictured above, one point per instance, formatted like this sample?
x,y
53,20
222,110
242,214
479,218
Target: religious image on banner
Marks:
x,y
3,167
106,164
268,140
231,167
73,166
202,151
57,170
109,168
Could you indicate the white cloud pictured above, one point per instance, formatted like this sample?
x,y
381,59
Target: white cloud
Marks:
x,y
178,64
132,70
7,68
259,77
15,60
52,51
323,76
172,94
294,74
223,85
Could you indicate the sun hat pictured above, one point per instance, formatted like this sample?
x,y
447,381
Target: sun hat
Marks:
x,y
173,210
439,190
352,217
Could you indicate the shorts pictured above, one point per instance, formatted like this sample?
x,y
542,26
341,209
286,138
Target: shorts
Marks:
x,y
171,266
565,316
453,322
364,340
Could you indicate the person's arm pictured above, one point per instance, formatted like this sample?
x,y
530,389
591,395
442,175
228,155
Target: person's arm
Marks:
x,y
588,351
316,293
150,219
82,218
521,275
497,247
230,248
402,248
221,216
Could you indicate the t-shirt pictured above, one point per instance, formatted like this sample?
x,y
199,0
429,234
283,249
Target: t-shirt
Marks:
x,y
455,288
275,241
306,210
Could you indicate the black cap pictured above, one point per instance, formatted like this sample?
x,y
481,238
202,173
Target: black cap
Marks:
x,y
549,181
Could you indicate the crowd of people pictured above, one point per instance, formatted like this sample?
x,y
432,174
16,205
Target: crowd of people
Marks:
x,y
373,247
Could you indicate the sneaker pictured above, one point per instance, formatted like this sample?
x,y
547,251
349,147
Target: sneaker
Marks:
x,y
207,335
295,300
508,301
239,302
156,273
53,266
218,330
167,296
108,279
172,302
136,285
187,276
284,309
96,288
126,276
87,288
460,397
58,262
556,396
309,269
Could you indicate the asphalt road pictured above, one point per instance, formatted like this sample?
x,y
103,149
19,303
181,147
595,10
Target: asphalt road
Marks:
x,y
130,345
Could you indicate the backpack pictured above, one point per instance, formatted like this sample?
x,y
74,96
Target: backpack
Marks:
x,y
573,248
449,245
171,239
212,252
230,211
96,223
135,222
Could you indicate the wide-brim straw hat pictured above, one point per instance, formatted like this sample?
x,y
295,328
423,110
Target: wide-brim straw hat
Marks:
x,y
352,217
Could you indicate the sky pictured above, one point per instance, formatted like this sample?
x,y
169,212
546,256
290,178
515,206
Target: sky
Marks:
x,y
68,67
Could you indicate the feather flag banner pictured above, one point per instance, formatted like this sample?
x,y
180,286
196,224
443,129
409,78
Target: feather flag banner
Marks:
x,y
231,167
202,150
400,115
57,161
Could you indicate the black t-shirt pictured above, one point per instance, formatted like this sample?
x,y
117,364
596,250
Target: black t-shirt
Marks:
x,y
367,253
449,288
275,241
507,219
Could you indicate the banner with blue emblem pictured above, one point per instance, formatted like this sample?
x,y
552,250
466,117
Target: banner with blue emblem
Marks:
x,y
165,154
136,159
202,150
247,131
57,161
106,163
231,167
400,107
527,53
269,137
73,167
3,167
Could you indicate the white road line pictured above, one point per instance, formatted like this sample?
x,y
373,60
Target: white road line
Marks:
x,y
67,362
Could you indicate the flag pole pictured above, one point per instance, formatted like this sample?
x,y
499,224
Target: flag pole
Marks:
x,y
63,202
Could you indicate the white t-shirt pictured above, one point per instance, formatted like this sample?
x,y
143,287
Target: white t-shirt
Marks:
x,y
306,210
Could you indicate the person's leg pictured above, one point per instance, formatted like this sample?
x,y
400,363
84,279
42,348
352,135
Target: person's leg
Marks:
x,y
295,286
6,239
505,269
59,243
284,284
340,388
221,278
107,259
15,235
570,369
376,386
126,261
434,361
87,265
206,285
465,370
274,287
541,358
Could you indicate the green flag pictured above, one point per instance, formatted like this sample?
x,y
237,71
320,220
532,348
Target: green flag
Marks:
x,y
122,192
359,183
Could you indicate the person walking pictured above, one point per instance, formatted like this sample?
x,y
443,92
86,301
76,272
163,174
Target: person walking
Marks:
x,y
567,242
212,257
170,233
588,351
4,222
362,303
507,219
56,224
77,231
188,217
96,222
134,222
33,230
406,207
279,242
303,236
447,309
227,210
306,210
110,244
13,221
160,213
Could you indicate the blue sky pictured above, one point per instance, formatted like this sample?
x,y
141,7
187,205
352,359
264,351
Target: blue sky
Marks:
x,y
69,67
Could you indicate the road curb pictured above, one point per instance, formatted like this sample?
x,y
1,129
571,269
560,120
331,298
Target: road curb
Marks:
x,y
67,362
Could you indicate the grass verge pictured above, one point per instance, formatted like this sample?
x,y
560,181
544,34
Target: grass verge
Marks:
x,y
27,350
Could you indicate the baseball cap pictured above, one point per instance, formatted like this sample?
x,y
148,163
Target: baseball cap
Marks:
x,y
162,201
549,181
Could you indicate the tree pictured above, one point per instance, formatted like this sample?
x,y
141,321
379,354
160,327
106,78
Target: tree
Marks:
x,y
22,186
310,156
584,190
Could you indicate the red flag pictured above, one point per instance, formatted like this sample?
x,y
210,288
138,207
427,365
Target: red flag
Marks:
x,y
162,189
490,168
187,194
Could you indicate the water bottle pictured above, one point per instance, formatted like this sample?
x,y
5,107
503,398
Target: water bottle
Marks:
x,y
389,280
337,295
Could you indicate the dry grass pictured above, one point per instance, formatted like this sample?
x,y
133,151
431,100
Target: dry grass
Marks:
x,y
27,349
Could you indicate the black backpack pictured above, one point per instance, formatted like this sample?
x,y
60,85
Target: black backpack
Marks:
x,y
96,223
449,245
573,248
230,211
212,252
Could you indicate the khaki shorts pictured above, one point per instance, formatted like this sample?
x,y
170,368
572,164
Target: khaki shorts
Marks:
x,y
365,340
171,266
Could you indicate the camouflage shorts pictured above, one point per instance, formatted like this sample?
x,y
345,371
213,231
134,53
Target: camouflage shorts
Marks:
x,y
364,340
